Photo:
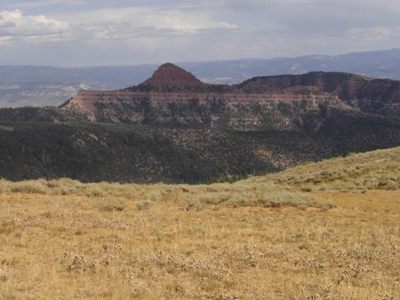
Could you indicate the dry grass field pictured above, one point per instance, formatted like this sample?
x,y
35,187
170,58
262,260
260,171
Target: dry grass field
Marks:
x,y
328,230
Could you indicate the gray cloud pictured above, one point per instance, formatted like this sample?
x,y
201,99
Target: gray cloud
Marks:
x,y
126,32
8,25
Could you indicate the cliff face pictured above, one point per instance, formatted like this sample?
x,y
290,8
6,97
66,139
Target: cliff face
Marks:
x,y
375,96
175,98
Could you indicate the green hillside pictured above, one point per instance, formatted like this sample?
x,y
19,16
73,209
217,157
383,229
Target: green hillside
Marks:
x,y
93,152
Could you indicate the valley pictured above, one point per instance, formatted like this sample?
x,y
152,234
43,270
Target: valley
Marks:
x,y
173,128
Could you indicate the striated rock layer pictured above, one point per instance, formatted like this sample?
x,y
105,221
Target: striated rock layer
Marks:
x,y
174,97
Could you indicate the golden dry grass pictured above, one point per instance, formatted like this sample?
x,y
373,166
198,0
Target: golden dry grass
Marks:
x,y
254,239
72,247
378,169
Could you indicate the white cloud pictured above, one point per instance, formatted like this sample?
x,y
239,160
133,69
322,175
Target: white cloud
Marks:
x,y
13,24
105,24
176,18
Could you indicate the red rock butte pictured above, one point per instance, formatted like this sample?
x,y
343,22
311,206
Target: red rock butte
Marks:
x,y
170,75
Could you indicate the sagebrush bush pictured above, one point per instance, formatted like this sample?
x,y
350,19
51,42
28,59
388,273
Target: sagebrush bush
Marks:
x,y
194,203
94,191
371,183
4,186
64,182
299,200
113,205
65,190
240,199
144,205
326,205
30,186
392,185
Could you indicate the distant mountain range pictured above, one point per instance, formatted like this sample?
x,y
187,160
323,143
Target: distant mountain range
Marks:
x,y
42,86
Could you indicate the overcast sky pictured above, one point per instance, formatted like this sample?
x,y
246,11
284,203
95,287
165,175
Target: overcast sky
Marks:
x,y
120,32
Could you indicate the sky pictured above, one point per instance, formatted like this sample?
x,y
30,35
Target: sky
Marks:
x,y
71,33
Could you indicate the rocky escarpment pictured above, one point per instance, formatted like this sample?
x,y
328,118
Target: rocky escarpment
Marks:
x,y
175,98
375,96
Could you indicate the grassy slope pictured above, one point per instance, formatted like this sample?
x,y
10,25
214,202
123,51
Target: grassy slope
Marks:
x,y
378,169
254,239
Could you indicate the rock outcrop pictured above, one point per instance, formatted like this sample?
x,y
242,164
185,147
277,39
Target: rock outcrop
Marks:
x,y
170,77
173,97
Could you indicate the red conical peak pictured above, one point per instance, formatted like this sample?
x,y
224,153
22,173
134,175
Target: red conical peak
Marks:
x,y
170,76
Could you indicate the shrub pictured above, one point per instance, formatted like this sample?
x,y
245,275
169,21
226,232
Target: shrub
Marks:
x,y
30,187
323,187
326,205
144,205
343,186
64,182
194,204
67,190
4,185
351,154
240,199
94,191
371,183
18,234
298,200
392,185
306,188
113,205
